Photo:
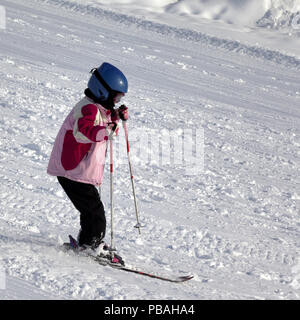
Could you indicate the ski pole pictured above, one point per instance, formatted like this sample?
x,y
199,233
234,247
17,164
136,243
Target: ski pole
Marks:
x,y
138,225
112,195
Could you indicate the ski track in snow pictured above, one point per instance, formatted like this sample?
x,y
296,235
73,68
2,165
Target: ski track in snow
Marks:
x,y
235,226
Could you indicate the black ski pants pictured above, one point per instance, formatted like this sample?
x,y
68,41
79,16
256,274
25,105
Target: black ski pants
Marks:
x,y
85,197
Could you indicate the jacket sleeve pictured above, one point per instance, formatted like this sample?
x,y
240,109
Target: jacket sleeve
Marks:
x,y
87,128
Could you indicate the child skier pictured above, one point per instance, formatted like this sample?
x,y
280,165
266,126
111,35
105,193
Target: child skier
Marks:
x,y
79,151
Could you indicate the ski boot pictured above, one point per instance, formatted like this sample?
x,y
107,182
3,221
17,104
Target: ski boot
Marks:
x,y
98,250
103,253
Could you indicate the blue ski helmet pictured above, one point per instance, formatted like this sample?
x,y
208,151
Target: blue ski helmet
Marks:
x,y
105,80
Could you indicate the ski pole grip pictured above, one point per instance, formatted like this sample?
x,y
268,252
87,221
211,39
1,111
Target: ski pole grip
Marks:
x,y
123,112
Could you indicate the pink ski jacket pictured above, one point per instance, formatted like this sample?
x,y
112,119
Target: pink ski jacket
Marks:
x,y
80,147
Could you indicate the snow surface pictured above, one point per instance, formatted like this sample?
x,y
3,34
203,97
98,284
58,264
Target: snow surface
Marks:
x,y
235,225
271,13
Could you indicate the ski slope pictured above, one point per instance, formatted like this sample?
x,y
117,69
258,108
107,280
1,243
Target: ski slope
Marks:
x,y
234,225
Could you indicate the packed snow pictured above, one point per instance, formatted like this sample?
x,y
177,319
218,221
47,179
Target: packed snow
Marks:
x,y
233,223
270,13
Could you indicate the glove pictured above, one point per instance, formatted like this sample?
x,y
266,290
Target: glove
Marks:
x,y
111,129
123,112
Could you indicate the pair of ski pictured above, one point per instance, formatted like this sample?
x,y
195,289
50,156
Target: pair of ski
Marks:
x,y
73,245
